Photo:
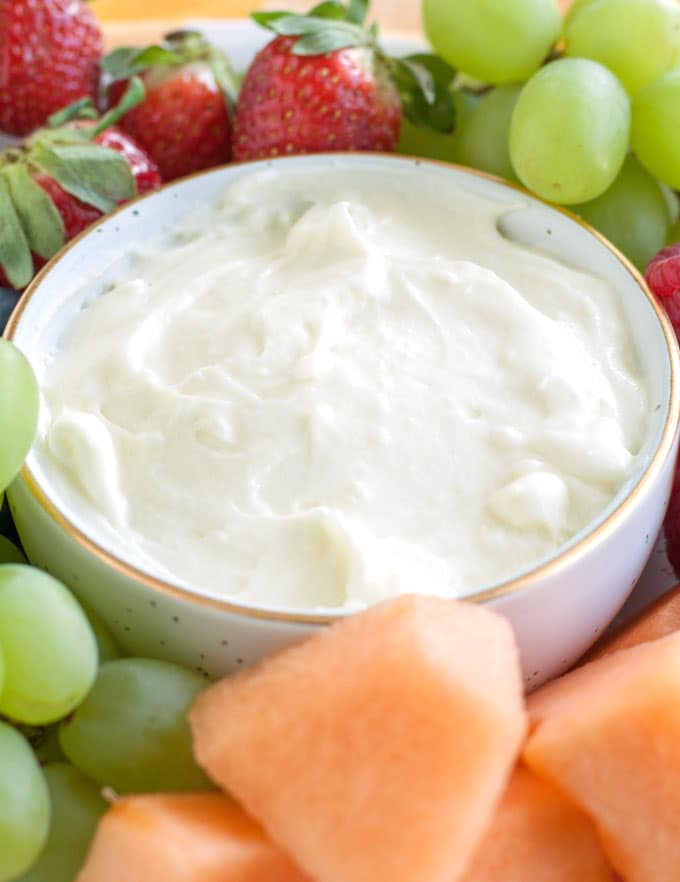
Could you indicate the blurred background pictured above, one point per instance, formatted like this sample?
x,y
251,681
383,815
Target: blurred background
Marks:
x,y
394,15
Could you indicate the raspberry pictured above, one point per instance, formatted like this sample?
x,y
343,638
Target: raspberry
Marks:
x,y
663,278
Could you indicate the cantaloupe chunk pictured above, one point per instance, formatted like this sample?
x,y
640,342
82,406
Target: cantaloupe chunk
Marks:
x,y
658,620
608,735
183,837
376,749
537,835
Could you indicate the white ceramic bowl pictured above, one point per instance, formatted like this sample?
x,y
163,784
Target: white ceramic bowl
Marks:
x,y
558,608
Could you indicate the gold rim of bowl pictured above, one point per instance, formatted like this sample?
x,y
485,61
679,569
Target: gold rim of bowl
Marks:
x,y
529,579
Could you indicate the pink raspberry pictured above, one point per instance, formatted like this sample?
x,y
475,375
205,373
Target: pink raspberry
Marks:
x,y
663,277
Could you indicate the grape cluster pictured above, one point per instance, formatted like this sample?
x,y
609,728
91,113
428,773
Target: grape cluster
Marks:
x,y
583,111
74,716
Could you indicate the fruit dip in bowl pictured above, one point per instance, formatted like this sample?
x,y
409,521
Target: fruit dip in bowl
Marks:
x,y
304,386
332,387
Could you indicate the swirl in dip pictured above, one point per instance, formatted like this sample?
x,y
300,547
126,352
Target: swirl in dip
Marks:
x,y
334,387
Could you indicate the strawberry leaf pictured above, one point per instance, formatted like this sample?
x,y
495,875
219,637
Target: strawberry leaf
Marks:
x,y
62,135
442,72
94,174
357,10
123,63
117,63
266,19
330,9
15,253
354,13
319,35
425,94
133,95
325,42
225,77
186,43
82,109
38,215
422,78
304,25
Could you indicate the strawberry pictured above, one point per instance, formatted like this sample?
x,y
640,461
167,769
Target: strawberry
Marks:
x,y
183,123
77,215
49,55
144,170
323,83
349,103
663,278
61,180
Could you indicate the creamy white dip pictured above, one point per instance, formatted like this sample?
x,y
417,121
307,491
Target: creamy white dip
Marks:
x,y
333,388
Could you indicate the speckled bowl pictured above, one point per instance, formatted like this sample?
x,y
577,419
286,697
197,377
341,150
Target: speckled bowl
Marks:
x,y
557,608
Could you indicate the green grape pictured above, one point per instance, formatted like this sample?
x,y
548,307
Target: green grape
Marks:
x,y
656,127
45,742
18,410
672,202
77,807
46,745
106,645
673,236
632,213
482,140
49,650
498,42
5,518
131,732
637,40
24,805
9,553
419,141
575,7
569,131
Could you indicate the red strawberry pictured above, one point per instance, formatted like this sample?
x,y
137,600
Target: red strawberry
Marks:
x,y
61,181
183,123
77,215
49,55
663,278
324,84
144,170
297,104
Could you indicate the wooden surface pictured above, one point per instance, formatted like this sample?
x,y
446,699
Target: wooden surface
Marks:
x,y
140,21
135,22
400,14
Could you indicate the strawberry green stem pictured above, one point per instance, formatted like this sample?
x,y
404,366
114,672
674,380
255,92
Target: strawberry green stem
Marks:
x,y
134,95
82,109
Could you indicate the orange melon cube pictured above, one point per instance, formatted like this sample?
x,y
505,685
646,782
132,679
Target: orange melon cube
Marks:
x,y
658,620
608,735
183,837
537,835
377,748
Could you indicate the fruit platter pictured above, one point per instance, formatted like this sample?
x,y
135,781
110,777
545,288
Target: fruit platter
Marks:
x,y
339,416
